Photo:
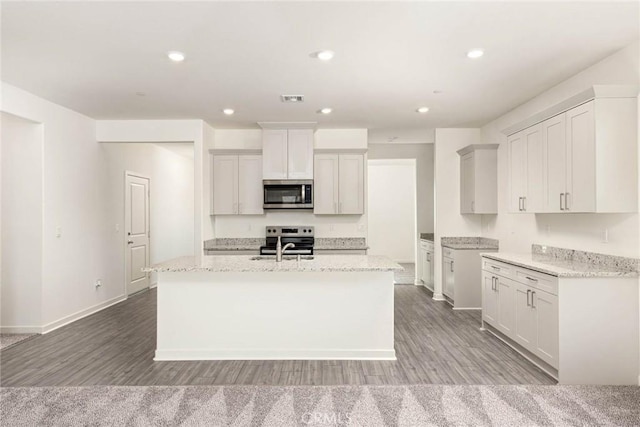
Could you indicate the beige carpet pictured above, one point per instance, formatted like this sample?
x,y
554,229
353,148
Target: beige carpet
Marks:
x,y
7,340
420,405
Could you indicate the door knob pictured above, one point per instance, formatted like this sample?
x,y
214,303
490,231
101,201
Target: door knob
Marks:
x,y
130,242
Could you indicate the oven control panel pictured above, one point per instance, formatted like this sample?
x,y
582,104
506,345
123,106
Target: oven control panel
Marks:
x,y
289,231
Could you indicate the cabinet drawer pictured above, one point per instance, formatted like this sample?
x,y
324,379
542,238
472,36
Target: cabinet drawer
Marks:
x,y
498,268
537,280
426,245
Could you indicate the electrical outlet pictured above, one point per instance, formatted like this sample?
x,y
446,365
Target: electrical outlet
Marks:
x,y
98,283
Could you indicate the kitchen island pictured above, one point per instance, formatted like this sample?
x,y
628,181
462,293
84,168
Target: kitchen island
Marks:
x,y
246,307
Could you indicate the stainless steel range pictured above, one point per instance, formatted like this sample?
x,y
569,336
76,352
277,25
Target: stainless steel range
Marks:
x,y
300,235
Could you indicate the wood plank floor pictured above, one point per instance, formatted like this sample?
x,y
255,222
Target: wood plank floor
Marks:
x,y
434,344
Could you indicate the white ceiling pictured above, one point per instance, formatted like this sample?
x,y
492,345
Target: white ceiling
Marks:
x,y
390,57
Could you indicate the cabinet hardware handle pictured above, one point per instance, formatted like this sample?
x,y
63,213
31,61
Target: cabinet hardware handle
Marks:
x,y
533,279
566,201
561,201
473,206
520,204
495,268
528,293
452,266
532,295
493,282
428,257
524,204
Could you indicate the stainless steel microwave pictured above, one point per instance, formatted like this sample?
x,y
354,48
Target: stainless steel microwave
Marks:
x,y
288,194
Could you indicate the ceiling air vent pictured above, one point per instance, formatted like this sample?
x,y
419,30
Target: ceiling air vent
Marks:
x,y
292,98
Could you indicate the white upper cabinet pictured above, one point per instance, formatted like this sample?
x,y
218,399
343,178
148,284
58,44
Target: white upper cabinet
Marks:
x,y
338,184
479,179
237,184
287,154
526,171
582,158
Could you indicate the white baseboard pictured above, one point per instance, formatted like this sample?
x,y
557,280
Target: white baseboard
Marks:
x,y
153,285
267,354
80,314
467,308
20,329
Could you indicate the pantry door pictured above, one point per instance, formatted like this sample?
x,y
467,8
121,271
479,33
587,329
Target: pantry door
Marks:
x,y
137,232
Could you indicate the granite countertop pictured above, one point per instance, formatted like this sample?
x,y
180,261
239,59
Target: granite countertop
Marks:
x,y
469,243
561,262
254,243
427,236
244,263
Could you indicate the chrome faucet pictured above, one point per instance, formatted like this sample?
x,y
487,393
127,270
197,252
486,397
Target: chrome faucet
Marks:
x,y
281,250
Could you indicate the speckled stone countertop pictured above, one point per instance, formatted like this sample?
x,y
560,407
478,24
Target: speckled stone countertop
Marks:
x,y
340,243
254,243
244,263
469,243
427,236
570,263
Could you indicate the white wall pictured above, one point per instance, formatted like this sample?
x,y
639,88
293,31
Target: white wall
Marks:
x,y
448,220
221,226
423,154
74,185
21,283
392,209
517,232
171,200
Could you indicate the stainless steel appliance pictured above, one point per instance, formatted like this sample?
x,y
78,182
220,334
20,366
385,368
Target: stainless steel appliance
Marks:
x,y
288,194
300,235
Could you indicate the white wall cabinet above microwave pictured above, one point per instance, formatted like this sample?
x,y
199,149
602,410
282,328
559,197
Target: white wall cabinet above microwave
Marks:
x,y
287,154
237,184
583,159
479,179
338,184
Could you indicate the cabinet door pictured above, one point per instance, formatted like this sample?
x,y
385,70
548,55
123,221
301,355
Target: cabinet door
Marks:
x,y
431,282
300,154
325,184
448,277
428,270
546,307
517,165
274,154
581,165
555,146
250,190
225,185
422,257
506,297
534,198
467,183
525,318
351,188
489,299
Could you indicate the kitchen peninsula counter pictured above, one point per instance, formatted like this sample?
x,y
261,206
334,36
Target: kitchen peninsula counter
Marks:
x,y
238,307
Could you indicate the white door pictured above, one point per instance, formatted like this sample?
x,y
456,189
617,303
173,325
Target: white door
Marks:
x,y
325,184
555,146
546,307
300,154
517,161
137,232
467,184
351,183
506,302
581,166
489,299
274,154
250,190
391,209
225,185
534,172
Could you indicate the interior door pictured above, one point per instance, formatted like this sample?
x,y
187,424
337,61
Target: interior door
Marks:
x,y
137,232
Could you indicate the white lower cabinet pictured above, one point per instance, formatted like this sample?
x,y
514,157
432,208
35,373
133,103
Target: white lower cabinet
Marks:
x,y
425,264
448,277
498,295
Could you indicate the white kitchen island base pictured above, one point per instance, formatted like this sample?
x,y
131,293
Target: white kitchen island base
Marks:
x,y
211,315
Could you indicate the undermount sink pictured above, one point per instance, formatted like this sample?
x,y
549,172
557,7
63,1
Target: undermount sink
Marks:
x,y
284,258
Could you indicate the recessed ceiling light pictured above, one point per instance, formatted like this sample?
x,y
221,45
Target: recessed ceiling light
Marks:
x,y
176,56
475,53
228,111
423,110
325,111
324,55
